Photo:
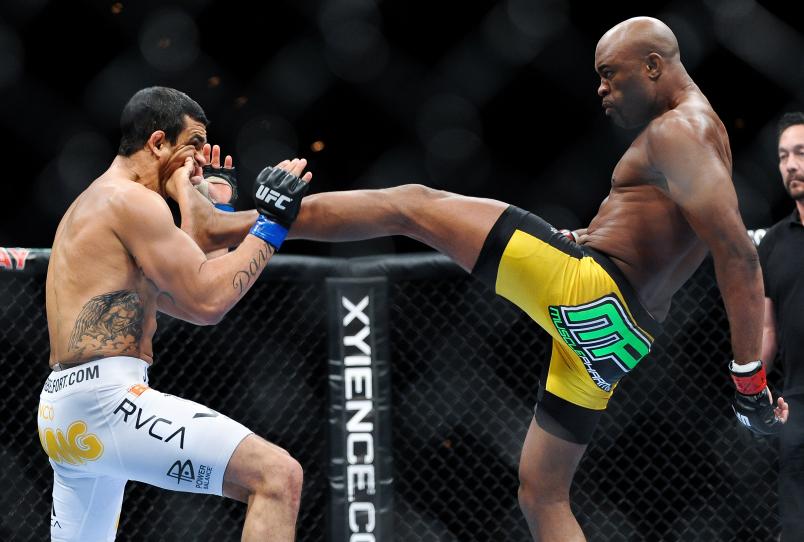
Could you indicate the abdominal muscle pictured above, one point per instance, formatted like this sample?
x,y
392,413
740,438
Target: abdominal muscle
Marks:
x,y
650,241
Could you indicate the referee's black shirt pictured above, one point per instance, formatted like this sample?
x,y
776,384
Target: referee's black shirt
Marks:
x,y
781,253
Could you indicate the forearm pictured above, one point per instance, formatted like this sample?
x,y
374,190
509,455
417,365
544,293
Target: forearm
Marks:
x,y
211,228
226,230
218,284
740,281
768,348
350,215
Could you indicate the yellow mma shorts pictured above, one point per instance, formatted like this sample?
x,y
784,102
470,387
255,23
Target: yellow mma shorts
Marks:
x,y
600,330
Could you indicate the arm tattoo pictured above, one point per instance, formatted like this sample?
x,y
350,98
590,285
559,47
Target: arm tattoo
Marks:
x,y
108,324
242,279
160,294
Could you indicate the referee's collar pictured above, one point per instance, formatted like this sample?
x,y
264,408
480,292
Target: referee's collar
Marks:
x,y
795,218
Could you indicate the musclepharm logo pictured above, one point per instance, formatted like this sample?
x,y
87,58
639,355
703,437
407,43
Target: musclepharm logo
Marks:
x,y
267,195
76,448
602,335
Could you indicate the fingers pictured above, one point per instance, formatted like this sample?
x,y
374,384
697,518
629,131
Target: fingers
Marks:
x,y
188,169
179,182
782,411
212,155
296,167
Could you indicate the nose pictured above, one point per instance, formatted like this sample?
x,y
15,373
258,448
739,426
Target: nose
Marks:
x,y
603,89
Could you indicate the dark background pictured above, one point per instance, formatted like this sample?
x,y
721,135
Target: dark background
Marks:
x,y
493,99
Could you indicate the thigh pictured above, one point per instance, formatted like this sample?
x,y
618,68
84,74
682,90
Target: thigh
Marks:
x,y
523,253
455,225
85,508
174,443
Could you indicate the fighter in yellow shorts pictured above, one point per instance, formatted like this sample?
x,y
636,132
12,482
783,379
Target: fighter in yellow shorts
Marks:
x,y
600,329
672,200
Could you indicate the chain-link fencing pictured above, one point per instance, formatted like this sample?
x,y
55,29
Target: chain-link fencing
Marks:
x,y
667,462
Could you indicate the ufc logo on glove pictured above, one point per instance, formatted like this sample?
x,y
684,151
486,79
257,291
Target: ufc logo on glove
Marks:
x,y
267,195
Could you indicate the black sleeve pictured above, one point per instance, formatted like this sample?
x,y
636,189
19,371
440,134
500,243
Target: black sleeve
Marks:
x,y
764,251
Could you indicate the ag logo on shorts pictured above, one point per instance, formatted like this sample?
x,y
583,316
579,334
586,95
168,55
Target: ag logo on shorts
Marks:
x,y
603,336
75,448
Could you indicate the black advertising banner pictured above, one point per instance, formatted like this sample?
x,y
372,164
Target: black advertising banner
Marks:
x,y
360,459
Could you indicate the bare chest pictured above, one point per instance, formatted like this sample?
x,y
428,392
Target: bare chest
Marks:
x,y
635,169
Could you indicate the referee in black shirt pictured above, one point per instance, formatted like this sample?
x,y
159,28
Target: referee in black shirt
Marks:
x,y
781,253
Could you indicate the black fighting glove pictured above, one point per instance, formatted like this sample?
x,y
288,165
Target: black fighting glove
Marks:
x,y
220,176
752,404
277,197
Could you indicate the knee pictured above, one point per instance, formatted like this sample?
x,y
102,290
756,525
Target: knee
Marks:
x,y
413,195
409,200
537,493
282,479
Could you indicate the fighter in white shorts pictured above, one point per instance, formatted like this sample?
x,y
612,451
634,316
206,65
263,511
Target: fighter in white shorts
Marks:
x,y
116,260
101,425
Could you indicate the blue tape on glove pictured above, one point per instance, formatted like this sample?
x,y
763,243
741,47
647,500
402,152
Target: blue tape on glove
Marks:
x,y
224,207
270,232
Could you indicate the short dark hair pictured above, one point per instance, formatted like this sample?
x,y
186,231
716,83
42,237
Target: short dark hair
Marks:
x,y
788,120
155,108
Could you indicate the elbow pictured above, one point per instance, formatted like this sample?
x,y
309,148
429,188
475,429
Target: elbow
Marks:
x,y
209,315
213,320
743,256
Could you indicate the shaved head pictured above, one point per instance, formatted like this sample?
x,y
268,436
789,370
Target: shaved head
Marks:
x,y
640,70
641,36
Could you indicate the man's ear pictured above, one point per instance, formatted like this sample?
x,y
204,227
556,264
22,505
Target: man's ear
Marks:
x,y
156,142
654,63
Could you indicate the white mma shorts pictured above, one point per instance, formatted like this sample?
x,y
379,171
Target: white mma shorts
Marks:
x,y
101,425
